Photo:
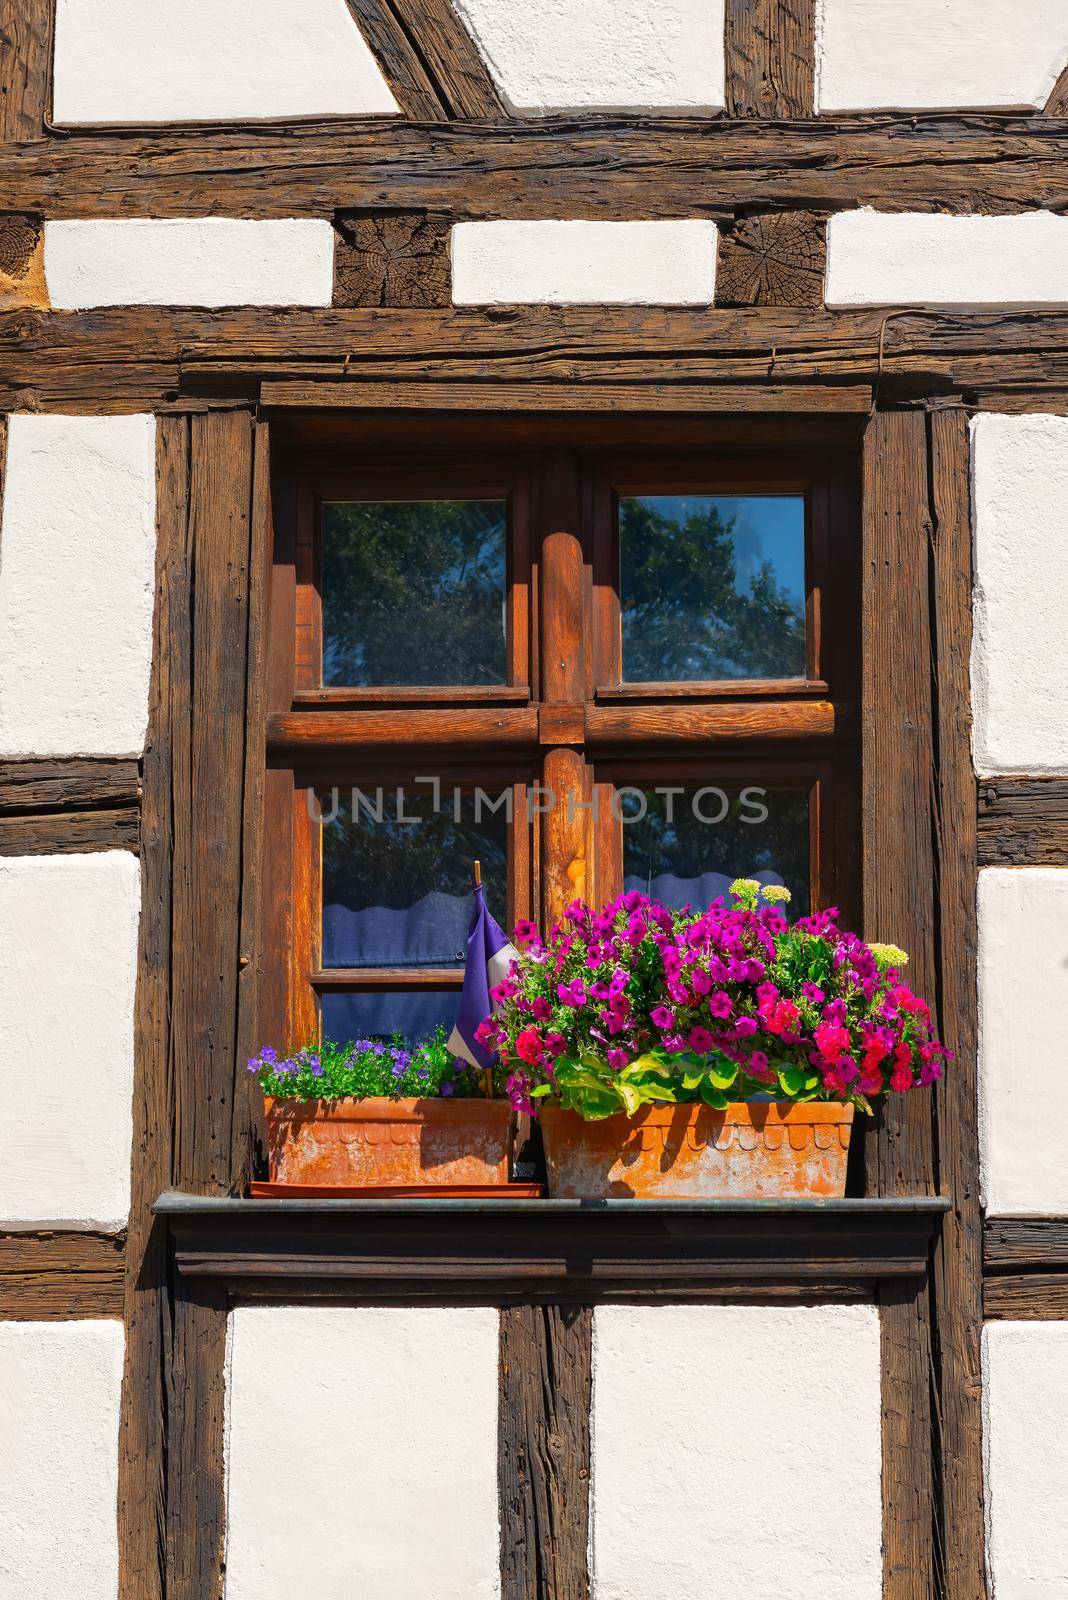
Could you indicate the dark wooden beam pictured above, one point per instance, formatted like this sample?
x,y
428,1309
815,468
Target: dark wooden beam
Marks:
x,y
673,396
125,359
25,68
1023,822
544,1451
770,58
57,1277
455,67
402,66
1026,1297
956,1278
1017,1244
598,167
774,258
898,883
1057,104
54,807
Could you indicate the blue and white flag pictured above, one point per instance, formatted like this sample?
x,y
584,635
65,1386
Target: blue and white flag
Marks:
x,y
489,956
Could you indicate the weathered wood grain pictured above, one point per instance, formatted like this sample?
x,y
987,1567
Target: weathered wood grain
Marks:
x,y
457,71
773,259
25,68
47,1276
678,397
1023,822
54,807
1026,1297
143,1415
399,59
127,359
957,1258
770,58
392,258
898,893
1014,1244
613,166
544,1451
1057,104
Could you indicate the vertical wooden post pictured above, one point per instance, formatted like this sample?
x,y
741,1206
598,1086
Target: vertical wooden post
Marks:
x,y
207,663
566,824
957,1265
25,68
898,892
770,51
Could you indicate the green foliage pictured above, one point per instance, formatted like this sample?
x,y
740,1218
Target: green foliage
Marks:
x,y
368,1069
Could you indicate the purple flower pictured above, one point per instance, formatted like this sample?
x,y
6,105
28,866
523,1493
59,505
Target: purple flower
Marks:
x,y
269,1054
573,993
662,1017
447,1088
316,1066
397,1070
423,1072
254,1064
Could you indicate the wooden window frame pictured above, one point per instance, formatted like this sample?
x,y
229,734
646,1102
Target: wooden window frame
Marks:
x,y
565,719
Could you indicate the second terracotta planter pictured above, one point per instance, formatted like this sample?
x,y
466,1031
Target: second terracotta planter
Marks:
x,y
389,1143
748,1151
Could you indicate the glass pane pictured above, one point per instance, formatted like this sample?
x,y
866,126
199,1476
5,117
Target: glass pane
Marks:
x,y
397,873
379,1014
414,592
688,846
712,587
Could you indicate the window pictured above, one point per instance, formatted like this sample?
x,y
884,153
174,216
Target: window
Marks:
x,y
591,663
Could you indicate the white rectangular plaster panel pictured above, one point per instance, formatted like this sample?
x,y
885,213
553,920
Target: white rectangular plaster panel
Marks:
x,y
1023,1049
382,1425
204,60
59,1459
68,970
1019,660
874,55
1025,1404
77,575
584,263
736,1453
189,261
900,258
601,55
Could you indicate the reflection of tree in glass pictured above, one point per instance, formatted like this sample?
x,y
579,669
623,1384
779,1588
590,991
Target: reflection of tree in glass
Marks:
x,y
413,592
389,863
684,615
686,847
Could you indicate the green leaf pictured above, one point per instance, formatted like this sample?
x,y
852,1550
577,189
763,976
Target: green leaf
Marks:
x,y
723,1076
792,1081
714,1097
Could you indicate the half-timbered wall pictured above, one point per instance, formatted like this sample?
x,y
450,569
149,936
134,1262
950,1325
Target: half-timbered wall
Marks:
x,y
229,228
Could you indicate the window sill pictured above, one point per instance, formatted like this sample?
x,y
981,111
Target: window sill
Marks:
x,y
501,1250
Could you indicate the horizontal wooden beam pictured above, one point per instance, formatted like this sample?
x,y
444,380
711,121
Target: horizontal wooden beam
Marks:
x,y
533,396
732,722
544,1249
609,166
77,784
1023,822
303,732
60,1276
1026,1297
131,357
1013,1244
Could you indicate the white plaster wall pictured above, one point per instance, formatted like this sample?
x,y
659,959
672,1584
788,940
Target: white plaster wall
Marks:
x,y
736,1453
1023,1048
584,263
1025,1403
189,261
1019,660
611,55
887,54
198,60
880,258
77,560
59,1459
68,967
362,1453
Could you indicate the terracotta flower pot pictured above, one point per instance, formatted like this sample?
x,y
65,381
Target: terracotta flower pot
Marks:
x,y
389,1143
765,1150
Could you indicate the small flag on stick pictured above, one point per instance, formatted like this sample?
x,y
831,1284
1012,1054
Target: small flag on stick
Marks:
x,y
489,956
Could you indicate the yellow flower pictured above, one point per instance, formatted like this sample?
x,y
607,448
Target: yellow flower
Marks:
x,y
777,893
888,956
745,890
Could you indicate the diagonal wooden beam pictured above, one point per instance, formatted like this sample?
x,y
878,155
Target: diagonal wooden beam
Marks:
x,y
429,59
1057,104
25,68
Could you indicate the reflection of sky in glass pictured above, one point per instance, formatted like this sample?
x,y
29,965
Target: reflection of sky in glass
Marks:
x,y
767,528
712,586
